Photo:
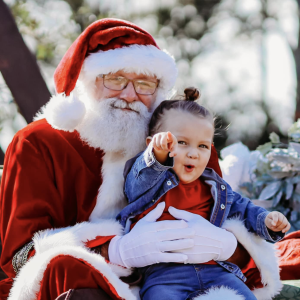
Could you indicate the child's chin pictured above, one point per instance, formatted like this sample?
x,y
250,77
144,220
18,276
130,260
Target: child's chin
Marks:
x,y
187,180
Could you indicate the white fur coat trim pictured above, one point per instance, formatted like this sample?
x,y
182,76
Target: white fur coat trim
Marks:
x,y
264,255
223,293
138,59
110,198
69,241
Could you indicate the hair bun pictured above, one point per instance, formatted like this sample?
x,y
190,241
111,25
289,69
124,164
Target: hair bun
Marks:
x,y
191,94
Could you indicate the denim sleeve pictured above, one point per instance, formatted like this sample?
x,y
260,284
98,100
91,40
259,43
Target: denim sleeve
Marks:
x,y
265,232
254,218
145,173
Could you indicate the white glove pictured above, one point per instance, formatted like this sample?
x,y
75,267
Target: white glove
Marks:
x,y
149,242
211,242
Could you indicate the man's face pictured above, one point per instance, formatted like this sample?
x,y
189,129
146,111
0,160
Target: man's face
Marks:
x,y
128,94
117,121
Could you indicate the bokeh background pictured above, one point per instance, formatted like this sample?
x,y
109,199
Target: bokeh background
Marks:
x,y
242,54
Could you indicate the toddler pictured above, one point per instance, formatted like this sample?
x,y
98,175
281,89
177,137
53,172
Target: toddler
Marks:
x,y
172,170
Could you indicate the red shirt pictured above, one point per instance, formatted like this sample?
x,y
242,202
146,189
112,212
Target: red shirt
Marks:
x,y
194,197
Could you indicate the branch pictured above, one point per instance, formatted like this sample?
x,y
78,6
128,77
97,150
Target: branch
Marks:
x,y
19,67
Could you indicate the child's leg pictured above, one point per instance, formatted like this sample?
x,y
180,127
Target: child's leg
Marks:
x,y
214,276
169,281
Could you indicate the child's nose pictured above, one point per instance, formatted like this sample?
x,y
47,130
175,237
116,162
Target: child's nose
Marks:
x,y
192,154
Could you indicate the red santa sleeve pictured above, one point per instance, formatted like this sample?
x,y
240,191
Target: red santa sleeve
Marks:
x,y
29,199
46,184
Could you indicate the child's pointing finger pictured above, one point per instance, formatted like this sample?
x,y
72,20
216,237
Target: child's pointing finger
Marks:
x,y
274,219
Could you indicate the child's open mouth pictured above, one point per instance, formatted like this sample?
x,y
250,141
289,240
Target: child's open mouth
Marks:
x,y
189,168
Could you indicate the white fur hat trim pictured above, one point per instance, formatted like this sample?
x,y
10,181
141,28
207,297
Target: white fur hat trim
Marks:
x,y
139,59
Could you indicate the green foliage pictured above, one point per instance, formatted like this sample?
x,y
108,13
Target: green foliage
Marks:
x,y
22,16
265,148
45,51
276,177
294,132
274,138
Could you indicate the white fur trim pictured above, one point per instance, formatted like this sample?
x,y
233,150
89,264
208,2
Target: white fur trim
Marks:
x,y
110,199
223,293
68,241
75,235
138,59
264,255
63,112
135,291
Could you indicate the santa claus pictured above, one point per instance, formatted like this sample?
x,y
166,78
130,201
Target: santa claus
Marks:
x,y
62,184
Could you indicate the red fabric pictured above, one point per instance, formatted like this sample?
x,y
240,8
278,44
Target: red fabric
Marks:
x,y
99,240
66,272
253,275
36,190
105,34
214,161
194,197
289,253
5,286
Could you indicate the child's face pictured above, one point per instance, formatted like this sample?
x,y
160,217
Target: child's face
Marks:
x,y
194,135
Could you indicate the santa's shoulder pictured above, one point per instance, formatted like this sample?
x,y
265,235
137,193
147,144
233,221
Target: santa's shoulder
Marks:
x,y
41,134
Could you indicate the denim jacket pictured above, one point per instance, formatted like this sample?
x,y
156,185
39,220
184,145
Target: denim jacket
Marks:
x,y
146,181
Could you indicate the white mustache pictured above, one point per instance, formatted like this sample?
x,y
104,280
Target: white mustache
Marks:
x,y
136,106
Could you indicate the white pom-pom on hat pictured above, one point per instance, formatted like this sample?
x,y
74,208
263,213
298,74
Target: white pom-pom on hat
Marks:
x,y
63,112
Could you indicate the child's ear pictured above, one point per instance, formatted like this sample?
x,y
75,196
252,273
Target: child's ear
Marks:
x,y
148,140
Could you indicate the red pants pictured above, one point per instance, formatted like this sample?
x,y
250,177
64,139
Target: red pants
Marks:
x,y
66,272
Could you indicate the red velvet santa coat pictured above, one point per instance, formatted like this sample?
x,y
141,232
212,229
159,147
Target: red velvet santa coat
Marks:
x,y
51,181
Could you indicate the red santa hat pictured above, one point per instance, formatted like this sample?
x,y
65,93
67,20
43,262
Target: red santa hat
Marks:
x,y
106,46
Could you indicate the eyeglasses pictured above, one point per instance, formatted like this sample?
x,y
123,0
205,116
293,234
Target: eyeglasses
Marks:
x,y
119,83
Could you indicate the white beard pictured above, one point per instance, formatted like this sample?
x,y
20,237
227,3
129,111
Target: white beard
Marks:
x,y
108,127
121,134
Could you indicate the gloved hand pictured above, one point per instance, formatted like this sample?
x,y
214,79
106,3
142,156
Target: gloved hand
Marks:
x,y
211,242
149,241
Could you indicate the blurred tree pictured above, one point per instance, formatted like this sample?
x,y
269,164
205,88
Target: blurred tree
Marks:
x,y
198,32
19,68
205,37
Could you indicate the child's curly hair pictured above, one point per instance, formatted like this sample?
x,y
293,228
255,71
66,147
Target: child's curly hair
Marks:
x,y
187,104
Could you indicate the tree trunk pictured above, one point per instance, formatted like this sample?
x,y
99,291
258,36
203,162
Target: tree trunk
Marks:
x,y
19,67
1,158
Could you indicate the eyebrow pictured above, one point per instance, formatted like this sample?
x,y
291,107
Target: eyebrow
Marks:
x,y
205,141
139,76
185,138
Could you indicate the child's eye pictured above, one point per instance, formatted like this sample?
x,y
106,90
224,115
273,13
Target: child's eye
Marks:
x,y
181,142
203,146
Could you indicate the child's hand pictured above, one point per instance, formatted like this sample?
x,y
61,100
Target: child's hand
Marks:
x,y
165,141
276,221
